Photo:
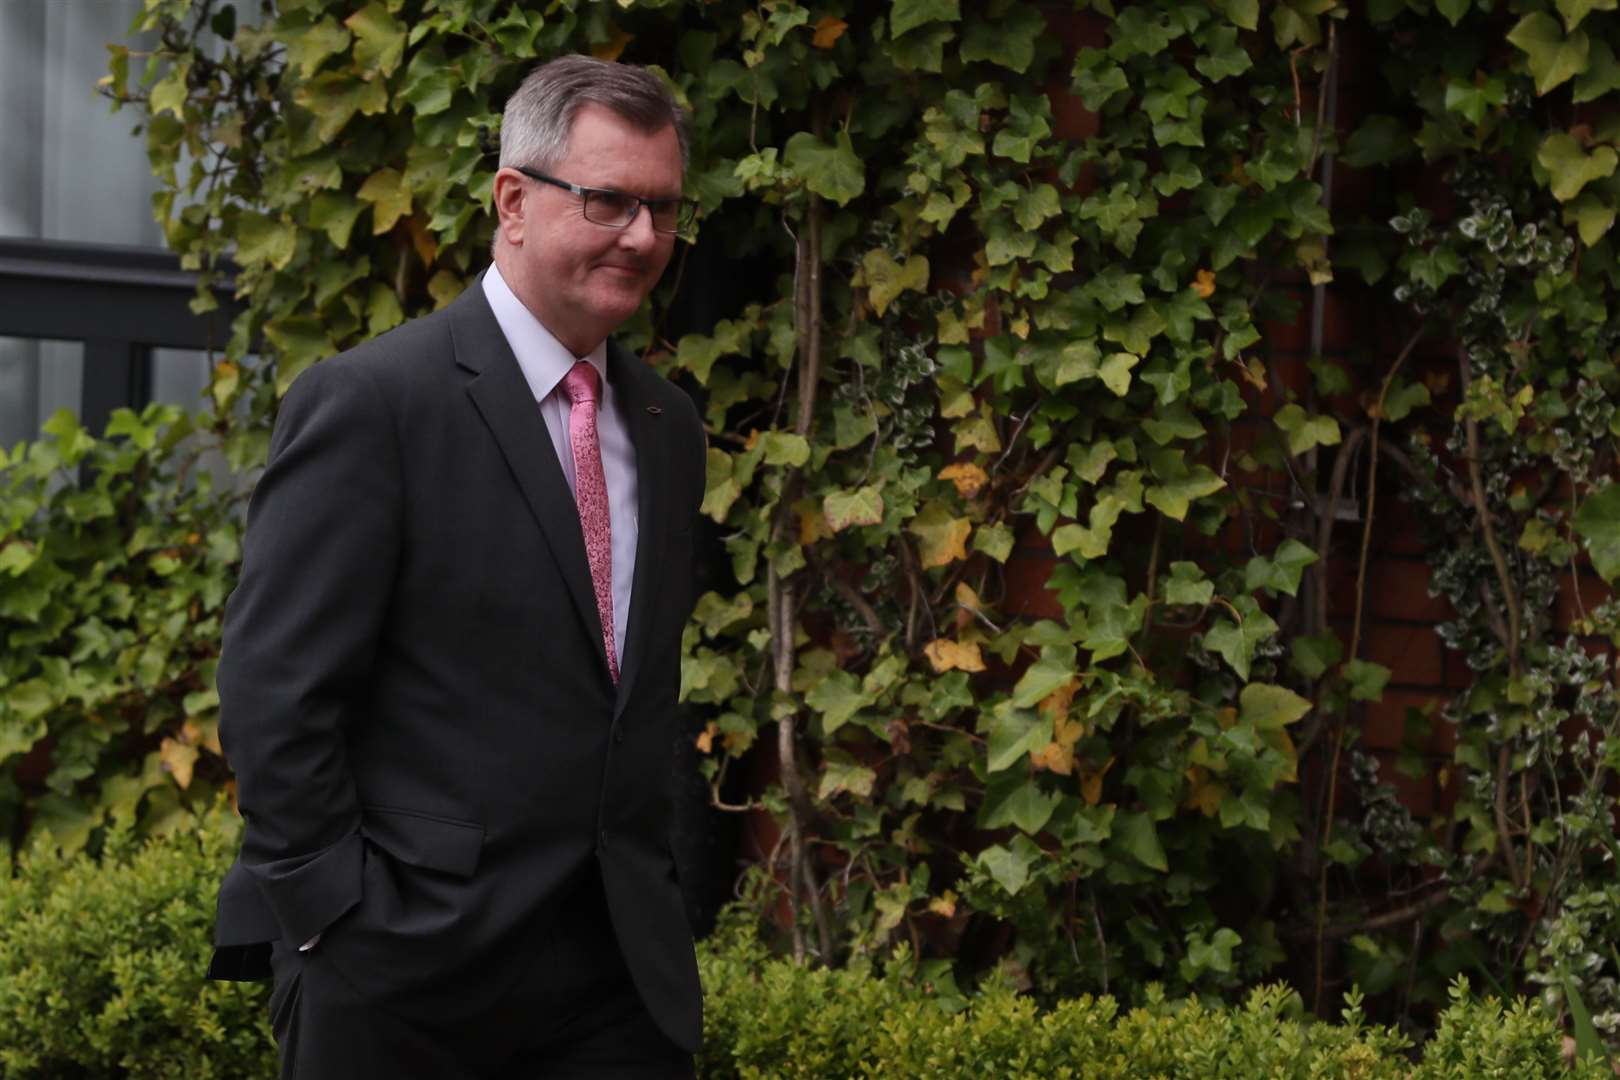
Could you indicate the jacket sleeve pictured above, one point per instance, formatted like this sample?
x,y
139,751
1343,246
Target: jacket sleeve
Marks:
x,y
301,631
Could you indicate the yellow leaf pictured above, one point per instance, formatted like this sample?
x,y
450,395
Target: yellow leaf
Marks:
x,y
946,654
610,49
178,760
1091,786
425,243
967,597
812,522
1056,704
968,478
828,30
1204,283
943,904
705,739
942,538
1204,794
390,199
1054,758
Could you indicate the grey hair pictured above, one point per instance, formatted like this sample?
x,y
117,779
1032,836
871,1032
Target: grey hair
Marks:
x,y
540,113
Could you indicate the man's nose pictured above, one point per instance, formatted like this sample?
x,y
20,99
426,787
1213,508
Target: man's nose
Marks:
x,y
639,234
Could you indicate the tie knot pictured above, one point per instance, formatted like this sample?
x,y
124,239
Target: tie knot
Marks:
x,y
580,383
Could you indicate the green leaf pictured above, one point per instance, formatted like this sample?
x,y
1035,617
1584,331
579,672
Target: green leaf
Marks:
x,y
379,38
1305,432
1135,835
1009,865
308,46
1173,497
1378,141
1244,14
941,535
1270,708
1598,523
1591,216
262,239
1055,668
1402,398
1020,802
1453,10
995,541
1366,679
1313,655
785,448
1236,642
1554,59
1015,733
830,170
1280,573
334,213
886,279
335,96
840,772
837,697
1571,168
1188,585
1224,57
1574,11
1008,40
1602,74
1115,371
389,196
906,14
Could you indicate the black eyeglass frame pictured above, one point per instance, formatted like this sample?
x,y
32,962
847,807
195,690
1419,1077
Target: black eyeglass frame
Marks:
x,y
685,209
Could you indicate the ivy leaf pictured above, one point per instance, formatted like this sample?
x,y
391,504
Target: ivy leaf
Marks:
x,y
830,170
1305,432
1188,585
946,655
1591,216
1569,167
1054,669
837,697
1008,866
1402,398
1378,141
941,536
1174,496
1224,57
1366,679
1020,802
1237,641
995,541
1115,371
1244,14
1013,734
1135,835
263,239
379,39
1313,655
863,506
1270,708
308,46
389,196
886,279
1280,573
334,213
906,14
1598,523
785,448
1008,40
1553,58
1601,76
335,96
1574,11
841,772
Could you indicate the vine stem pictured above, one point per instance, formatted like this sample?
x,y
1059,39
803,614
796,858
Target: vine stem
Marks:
x,y
779,594
1331,807
1510,600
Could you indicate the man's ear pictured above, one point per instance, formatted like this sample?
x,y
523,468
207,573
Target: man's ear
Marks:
x,y
510,194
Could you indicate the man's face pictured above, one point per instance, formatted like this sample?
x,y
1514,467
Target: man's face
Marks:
x,y
581,279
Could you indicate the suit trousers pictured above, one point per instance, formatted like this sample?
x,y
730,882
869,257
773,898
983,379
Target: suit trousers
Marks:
x,y
574,1015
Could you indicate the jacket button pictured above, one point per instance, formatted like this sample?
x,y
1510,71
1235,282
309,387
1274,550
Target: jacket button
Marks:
x,y
601,840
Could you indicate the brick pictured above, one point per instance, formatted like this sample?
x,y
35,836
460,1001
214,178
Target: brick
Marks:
x,y
1396,588
1383,723
1026,575
1413,654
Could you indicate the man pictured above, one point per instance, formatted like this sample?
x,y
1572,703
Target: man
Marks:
x,y
450,668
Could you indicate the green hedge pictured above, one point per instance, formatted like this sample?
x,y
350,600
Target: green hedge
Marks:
x,y
101,976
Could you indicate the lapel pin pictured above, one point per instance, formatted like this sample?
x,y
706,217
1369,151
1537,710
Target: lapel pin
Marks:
x,y
655,410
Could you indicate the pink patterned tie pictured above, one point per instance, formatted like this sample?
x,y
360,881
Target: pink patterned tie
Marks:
x,y
590,492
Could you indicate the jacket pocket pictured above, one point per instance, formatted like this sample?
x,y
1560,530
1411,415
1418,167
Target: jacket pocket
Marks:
x,y
432,843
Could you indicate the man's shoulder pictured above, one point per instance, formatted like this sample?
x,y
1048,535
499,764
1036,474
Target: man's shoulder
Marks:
x,y
416,353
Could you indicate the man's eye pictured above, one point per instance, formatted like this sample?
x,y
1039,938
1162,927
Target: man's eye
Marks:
x,y
612,205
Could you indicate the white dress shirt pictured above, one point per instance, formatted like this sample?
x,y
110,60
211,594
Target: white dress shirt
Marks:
x,y
545,361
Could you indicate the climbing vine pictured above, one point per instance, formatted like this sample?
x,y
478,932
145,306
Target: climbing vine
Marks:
x,y
1022,629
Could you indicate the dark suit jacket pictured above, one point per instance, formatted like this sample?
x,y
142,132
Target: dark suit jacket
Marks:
x,y
414,692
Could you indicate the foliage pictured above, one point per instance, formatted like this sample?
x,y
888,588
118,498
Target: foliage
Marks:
x,y
116,555
101,961
989,335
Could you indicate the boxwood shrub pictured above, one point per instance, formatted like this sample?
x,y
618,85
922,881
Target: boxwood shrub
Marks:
x,y
101,963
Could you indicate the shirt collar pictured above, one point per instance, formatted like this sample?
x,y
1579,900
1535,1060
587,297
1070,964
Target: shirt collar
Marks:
x,y
543,359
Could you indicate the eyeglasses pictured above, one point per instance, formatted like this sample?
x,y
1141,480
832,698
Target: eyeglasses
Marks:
x,y
617,209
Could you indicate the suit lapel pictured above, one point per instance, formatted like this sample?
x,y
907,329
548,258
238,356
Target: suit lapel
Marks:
x,y
632,382
502,397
